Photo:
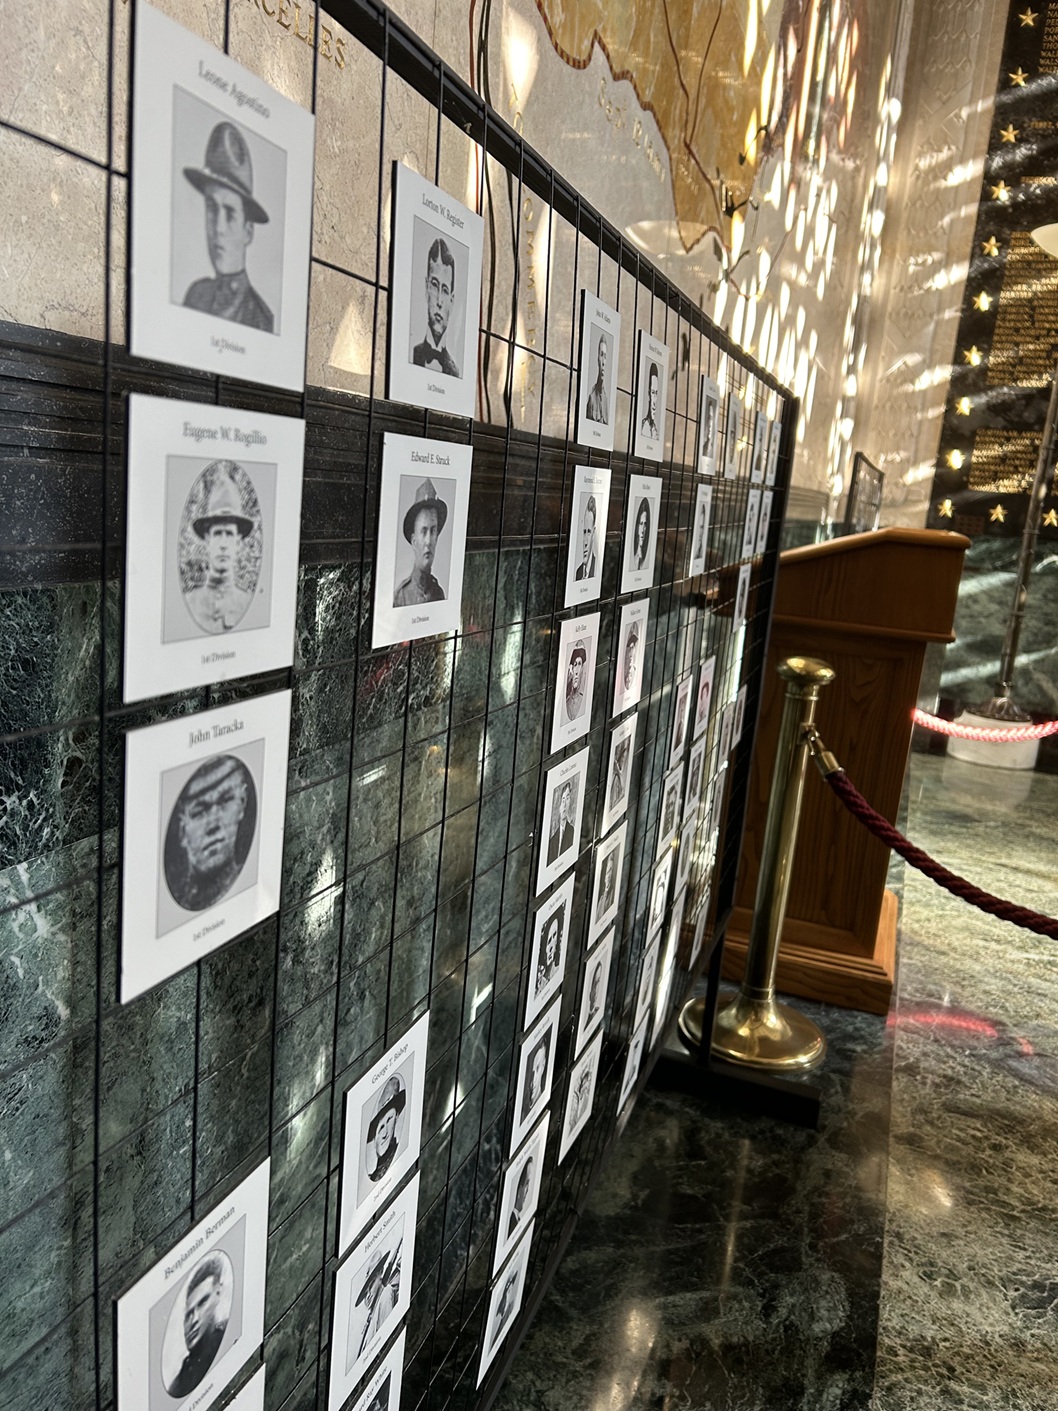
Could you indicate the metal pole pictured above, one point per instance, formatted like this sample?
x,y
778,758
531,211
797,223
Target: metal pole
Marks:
x,y
754,1029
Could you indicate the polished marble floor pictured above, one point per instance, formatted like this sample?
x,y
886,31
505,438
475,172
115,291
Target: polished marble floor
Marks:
x,y
903,1258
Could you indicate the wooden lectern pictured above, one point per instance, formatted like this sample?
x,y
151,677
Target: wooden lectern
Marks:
x,y
867,605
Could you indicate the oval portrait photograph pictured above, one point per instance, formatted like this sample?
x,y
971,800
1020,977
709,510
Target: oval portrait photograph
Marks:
x,y
220,547
197,1324
210,832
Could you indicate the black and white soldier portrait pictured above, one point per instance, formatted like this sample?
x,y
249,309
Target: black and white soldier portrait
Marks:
x,y
594,990
575,681
535,1079
435,296
212,543
505,1299
659,891
589,505
648,975
423,524
641,532
749,527
382,1130
652,382
205,804
764,522
424,499
600,331
633,1063
741,597
210,833
375,1296
631,651
221,193
618,773
562,832
580,1096
520,1192
760,446
704,698
536,1067
681,712
699,536
381,1391
187,1326
606,891
548,960
671,797
710,426
563,804
731,436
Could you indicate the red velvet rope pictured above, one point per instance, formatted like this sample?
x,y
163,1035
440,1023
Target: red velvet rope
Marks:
x,y
882,829
999,735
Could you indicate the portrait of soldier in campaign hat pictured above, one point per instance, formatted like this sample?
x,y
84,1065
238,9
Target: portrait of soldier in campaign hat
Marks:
x,y
424,521
575,682
385,1129
220,566
210,833
378,1296
225,180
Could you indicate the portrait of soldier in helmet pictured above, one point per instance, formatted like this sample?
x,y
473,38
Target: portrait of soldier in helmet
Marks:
x,y
221,543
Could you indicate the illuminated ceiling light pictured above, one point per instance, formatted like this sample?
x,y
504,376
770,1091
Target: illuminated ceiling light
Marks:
x,y
983,301
962,406
1009,134
990,246
956,460
1018,77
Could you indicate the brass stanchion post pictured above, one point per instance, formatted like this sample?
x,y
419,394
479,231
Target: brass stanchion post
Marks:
x,y
754,1029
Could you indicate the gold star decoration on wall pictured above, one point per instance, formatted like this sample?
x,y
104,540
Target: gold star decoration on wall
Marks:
x,y
946,509
1009,134
1018,77
997,514
990,246
1050,519
1028,18
983,301
962,406
1001,192
956,460
972,355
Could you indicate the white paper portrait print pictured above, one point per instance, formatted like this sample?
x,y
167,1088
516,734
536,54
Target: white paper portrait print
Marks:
x,y
699,928
659,892
648,974
667,969
205,802
505,1300
382,1389
641,532
740,715
422,535
671,800
686,850
595,987
190,1323
772,463
632,1063
699,536
695,774
520,1193
681,720
760,438
221,211
372,1293
560,827
580,1096
600,337
741,597
211,548
731,436
704,698
435,297
652,390
727,730
709,426
382,1130
765,520
251,1398
536,1069
618,773
631,653
550,948
606,890
589,506
578,648
749,528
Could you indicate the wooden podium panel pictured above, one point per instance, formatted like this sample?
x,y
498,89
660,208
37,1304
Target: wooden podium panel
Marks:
x,y
867,604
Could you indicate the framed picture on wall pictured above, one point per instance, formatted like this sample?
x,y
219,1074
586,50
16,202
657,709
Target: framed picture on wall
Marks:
x,y
695,772
505,1300
594,990
221,210
435,297
648,974
659,892
382,1389
211,547
708,426
606,891
699,537
749,527
642,522
765,520
589,507
731,436
580,1096
669,815
652,390
741,597
536,1070
703,700
667,968
424,500
633,1062
189,1324
600,337
382,1130
760,442
564,788
772,463
550,950
372,1293
631,651
520,1193
681,714
205,803
578,648
618,773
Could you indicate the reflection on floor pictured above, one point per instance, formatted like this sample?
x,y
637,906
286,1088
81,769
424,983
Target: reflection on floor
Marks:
x,y
735,1264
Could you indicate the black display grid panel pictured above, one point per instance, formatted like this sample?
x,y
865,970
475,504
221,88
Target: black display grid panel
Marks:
x,y
415,793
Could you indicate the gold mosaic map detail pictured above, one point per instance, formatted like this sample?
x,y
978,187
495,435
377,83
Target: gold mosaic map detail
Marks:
x,y
685,61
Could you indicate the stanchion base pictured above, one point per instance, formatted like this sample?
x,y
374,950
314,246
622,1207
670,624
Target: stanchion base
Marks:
x,y
765,1034
745,1091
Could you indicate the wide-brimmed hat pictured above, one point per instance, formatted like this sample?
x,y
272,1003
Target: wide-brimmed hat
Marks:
x,y
426,498
377,1269
579,650
228,164
224,503
393,1097
633,634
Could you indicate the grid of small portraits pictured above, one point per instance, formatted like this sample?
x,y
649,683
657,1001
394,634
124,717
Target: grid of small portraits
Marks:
x,y
379,810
